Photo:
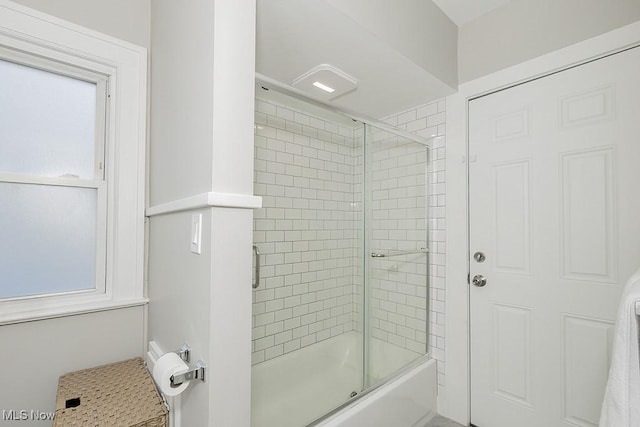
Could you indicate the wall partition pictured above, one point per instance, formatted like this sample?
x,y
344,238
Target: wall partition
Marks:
x,y
341,304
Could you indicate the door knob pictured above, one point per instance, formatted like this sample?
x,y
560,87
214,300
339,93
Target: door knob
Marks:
x,y
479,280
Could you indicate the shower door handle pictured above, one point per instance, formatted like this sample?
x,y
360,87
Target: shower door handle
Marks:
x,y
257,282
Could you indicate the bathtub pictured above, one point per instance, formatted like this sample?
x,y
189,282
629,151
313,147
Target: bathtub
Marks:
x,y
295,389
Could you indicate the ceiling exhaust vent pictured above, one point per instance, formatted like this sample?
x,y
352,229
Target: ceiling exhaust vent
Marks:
x,y
325,82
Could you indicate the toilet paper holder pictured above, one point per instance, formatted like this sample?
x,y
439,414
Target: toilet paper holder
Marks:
x,y
184,352
197,373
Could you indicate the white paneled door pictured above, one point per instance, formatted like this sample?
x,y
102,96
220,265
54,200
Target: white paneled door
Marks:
x,y
554,179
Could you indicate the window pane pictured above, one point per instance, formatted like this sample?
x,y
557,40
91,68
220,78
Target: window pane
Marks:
x,y
47,239
47,123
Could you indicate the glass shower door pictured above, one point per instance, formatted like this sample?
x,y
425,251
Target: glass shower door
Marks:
x,y
307,327
396,253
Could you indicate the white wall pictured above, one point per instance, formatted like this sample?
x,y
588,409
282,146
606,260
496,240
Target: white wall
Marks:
x,y
525,29
202,95
179,293
125,19
181,100
36,353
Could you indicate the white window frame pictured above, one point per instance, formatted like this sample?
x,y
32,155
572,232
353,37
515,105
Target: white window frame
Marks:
x,y
97,182
41,41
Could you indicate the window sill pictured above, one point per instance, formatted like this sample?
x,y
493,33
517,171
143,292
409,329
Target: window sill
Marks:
x,y
41,313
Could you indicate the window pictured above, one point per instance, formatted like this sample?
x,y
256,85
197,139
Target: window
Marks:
x,y
52,181
72,139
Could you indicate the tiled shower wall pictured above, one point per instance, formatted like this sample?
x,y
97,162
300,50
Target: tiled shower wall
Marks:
x,y
427,121
306,230
398,223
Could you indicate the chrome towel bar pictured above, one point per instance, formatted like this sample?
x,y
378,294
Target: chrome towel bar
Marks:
x,y
386,255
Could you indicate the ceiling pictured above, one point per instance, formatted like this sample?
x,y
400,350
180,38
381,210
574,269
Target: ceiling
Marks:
x,y
394,49
463,11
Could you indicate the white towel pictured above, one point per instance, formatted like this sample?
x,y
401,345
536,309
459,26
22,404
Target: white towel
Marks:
x,y
621,405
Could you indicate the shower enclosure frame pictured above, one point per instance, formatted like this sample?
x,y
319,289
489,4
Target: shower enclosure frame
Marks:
x,y
366,254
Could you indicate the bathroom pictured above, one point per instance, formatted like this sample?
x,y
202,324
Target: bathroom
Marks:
x,y
201,113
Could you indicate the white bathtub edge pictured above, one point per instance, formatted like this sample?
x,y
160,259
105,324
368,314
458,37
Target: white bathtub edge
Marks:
x,y
408,401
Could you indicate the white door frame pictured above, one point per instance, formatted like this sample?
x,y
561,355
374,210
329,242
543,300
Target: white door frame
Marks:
x,y
454,397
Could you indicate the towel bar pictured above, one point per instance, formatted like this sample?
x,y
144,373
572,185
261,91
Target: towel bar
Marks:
x,y
390,254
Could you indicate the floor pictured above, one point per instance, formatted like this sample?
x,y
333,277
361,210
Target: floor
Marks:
x,y
439,421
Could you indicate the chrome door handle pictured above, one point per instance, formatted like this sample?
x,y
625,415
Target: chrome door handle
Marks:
x,y
257,282
479,280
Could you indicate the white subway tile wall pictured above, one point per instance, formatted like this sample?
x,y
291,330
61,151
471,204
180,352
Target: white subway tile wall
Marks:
x,y
309,172
397,171
307,230
428,121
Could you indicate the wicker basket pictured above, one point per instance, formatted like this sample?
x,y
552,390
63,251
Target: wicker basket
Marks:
x,y
120,394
